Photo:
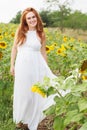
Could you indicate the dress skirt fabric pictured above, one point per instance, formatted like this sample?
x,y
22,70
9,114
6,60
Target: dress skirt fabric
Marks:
x,y
30,67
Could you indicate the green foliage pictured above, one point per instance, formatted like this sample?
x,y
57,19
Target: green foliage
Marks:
x,y
70,107
8,125
16,19
7,32
77,20
45,18
61,15
84,127
58,123
66,52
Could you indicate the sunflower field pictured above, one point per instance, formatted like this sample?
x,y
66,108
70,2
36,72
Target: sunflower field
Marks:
x,y
67,58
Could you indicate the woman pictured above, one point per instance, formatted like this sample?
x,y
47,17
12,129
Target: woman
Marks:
x,y
30,67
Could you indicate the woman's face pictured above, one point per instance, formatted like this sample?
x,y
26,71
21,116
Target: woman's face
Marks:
x,y
31,20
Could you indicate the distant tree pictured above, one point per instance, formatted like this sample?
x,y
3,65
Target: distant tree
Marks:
x,y
16,19
63,9
63,15
77,20
45,15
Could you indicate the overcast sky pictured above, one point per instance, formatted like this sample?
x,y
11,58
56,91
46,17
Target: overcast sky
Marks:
x,y
9,8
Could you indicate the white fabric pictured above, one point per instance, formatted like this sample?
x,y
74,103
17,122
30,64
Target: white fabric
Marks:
x,y
30,67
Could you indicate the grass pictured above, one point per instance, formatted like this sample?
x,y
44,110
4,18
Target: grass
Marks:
x,y
9,125
78,34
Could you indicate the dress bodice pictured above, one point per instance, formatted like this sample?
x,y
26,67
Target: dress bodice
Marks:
x,y
32,42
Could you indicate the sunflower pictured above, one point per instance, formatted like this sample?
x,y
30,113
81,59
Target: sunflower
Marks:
x,y
47,49
3,45
1,37
52,47
55,44
84,65
63,47
84,77
65,39
81,71
1,55
59,51
38,90
12,34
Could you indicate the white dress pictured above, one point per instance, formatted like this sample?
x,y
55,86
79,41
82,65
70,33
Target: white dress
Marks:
x,y
30,67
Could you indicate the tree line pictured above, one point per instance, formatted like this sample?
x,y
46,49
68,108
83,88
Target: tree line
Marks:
x,y
64,18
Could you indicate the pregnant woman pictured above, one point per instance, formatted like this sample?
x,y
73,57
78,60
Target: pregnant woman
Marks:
x,y
28,66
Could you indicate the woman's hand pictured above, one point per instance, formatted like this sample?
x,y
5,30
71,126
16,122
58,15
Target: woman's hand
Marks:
x,y
12,70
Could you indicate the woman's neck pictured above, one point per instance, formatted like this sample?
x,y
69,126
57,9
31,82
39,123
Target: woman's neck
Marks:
x,y
32,29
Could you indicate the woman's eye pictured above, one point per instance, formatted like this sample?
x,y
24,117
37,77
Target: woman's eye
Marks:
x,y
33,17
28,18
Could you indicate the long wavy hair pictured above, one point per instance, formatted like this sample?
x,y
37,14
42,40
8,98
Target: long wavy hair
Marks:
x,y
23,26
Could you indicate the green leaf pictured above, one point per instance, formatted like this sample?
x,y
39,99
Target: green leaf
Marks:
x,y
46,80
50,91
73,116
80,88
50,110
68,83
82,104
72,106
60,110
57,99
84,126
58,123
71,98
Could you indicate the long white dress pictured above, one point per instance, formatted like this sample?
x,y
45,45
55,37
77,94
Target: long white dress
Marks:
x,y
30,67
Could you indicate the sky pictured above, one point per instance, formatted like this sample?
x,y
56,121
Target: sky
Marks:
x,y
9,8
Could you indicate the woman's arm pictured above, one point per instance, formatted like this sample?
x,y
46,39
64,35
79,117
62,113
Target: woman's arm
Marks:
x,y
13,56
43,48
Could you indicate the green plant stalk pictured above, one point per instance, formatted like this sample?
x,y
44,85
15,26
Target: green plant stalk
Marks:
x,y
60,95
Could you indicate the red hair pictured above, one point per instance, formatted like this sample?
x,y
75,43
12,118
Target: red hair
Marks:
x,y
23,27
